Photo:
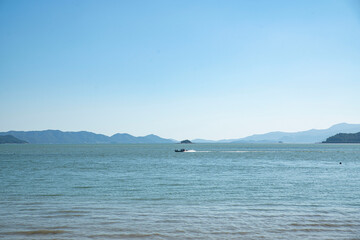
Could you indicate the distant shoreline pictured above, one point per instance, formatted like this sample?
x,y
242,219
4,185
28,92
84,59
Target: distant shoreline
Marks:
x,y
84,137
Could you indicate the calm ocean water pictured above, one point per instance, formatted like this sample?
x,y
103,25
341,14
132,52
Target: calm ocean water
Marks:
x,y
217,191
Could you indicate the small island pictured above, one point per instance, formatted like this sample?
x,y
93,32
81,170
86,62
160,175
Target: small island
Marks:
x,y
10,139
185,141
344,138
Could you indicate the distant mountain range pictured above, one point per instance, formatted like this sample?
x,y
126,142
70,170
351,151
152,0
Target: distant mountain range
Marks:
x,y
310,136
59,137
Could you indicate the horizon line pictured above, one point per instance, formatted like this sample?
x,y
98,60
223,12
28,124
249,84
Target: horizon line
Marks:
x,y
198,138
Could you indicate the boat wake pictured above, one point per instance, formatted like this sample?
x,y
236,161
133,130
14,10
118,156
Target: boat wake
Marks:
x,y
236,151
192,151
214,151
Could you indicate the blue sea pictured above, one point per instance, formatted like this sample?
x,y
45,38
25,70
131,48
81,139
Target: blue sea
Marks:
x,y
214,191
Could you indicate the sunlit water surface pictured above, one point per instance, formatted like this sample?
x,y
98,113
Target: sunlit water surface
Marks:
x,y
215,191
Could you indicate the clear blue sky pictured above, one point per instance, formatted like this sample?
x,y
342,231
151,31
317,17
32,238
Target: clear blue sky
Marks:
x,y
179,69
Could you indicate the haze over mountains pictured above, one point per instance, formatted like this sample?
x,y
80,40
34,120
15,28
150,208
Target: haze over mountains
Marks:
x,y
310,136
83,137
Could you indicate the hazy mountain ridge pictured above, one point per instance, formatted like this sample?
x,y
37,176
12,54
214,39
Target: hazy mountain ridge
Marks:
x,y
309,136
82,137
